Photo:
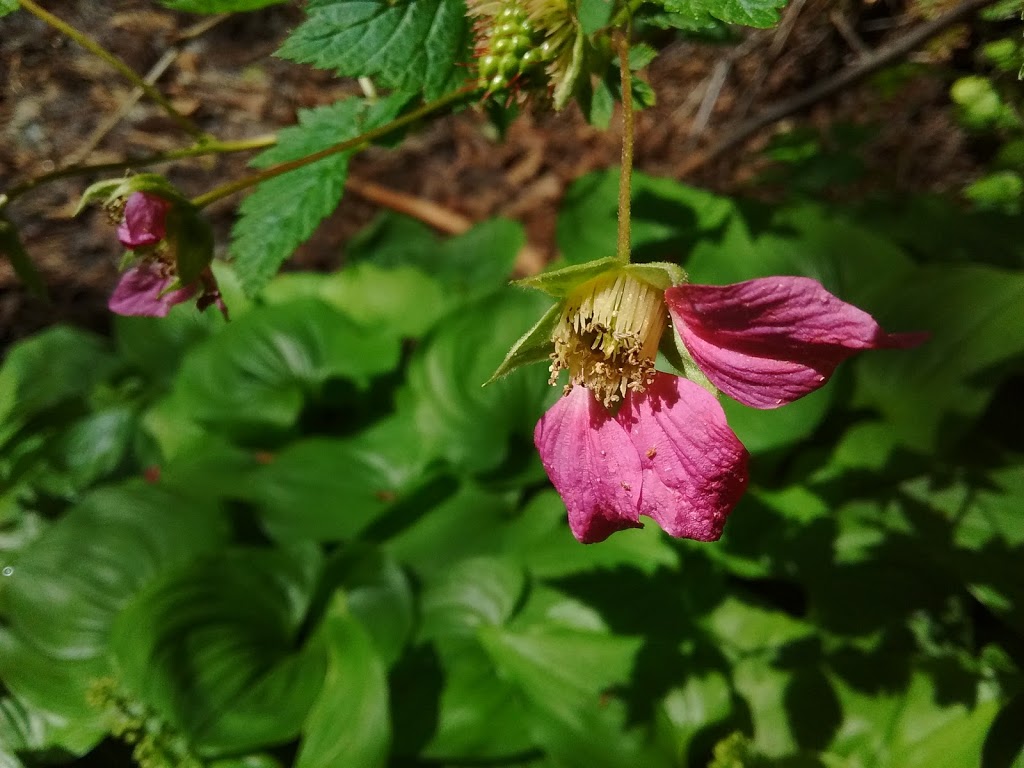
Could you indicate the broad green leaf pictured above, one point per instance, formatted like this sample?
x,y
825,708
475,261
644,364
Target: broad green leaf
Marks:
x,y
12,248
348,723
458,418
480,715
218,6
702,701
66,589
761,431
753,13
402,299
21,728
156,345
95,446
213,648
469,595
473,263
48,369
379,595
320,489
284,211
973,315
408,46
8,6
540,538
668,217
260,368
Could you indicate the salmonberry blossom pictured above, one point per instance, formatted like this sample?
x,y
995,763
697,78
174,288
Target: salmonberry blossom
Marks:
x,y
626,440
151,286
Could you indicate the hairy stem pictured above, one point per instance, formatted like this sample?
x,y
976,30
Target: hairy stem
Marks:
x,y
357,142
622,250
196,150
94,47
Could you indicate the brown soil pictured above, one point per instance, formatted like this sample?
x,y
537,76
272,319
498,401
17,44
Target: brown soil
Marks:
x,y
54,95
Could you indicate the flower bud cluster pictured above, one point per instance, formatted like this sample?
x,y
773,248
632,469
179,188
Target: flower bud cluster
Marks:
x,y
510,48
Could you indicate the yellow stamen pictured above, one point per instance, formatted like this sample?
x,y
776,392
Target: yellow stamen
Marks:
x,y
607,337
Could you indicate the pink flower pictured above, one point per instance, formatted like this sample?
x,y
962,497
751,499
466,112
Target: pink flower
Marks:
x,y
144,290
667,453
145,220
771,341
627,441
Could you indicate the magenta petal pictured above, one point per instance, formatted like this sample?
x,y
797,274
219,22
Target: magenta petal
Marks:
x,y
694,466
770,341
592,464
145,220
141,292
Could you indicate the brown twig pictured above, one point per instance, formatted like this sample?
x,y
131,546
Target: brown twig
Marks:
x,y
440,218
866,65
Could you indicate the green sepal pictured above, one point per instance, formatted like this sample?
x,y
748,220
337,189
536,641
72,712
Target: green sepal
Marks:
x,y
672,347
561,282
533,346
566,86
661,274
24,268
112,189
191,240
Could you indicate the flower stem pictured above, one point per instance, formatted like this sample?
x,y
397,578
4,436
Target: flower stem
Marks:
x,y
94,47
196,150
626,170
356,142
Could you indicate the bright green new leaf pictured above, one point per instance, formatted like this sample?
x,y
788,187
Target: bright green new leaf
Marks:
x,y
8,6
408,46
284,211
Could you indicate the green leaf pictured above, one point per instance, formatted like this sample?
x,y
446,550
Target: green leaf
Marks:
x,y
14,251
458,418
761,431
972,314
409,46
156,345
471,264
594,15
469,595
190,238
95,446
284,211
218,6
48,369
212,647
348,723
379,595
320,489
8,6
753,13
401,298
68,586
259,369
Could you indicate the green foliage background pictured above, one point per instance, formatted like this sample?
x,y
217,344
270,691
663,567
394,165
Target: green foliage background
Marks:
x,y
309,537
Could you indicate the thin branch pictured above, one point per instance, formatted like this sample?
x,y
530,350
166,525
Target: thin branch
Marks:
x,y
440,218
622,250
114,61
881,57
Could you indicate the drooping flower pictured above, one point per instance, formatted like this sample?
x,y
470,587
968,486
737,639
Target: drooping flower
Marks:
x,y
626,440
145,220
153,284
770,341
145,291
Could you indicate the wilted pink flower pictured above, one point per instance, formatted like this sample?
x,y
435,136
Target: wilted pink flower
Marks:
x,y
143,290
145,220
667,453
770,341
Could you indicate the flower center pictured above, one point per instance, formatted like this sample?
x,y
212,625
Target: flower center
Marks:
x,y
608,335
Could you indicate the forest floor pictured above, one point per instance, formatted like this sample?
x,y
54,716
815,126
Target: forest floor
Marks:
x,y
55,99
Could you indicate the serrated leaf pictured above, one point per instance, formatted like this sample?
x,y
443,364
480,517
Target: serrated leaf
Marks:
x,y
218,6
752,13
284,211
410,45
